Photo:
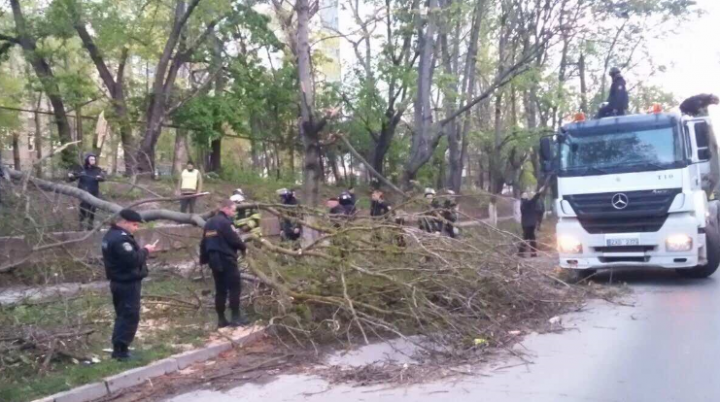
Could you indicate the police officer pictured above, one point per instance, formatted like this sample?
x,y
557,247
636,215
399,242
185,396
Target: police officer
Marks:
x,y
88,179
290,229
618,100
219,248
125,267
378,206
347,201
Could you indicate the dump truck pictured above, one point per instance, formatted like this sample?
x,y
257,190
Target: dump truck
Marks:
x,y
636,191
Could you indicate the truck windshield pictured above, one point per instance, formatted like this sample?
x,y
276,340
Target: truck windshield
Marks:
x,y
618,152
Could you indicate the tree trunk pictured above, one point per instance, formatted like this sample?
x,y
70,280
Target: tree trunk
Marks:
x,y
422,143
47,80
180,155
214,160
309,128
17,162
583,84
38,137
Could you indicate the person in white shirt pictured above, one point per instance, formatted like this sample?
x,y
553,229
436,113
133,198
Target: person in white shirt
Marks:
x,y
190,183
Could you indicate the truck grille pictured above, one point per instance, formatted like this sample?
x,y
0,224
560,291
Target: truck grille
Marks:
x,y
646,211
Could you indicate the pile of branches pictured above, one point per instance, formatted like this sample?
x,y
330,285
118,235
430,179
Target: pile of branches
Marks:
x,y
39,347
365,279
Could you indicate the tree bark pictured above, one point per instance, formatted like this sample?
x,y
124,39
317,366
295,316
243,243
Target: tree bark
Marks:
x,y
309,127
180,155
422,143
47,80
116,89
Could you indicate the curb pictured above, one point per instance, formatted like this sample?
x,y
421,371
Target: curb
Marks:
x,y
139,375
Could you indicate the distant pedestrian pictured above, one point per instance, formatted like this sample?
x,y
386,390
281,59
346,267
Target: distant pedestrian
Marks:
x,y
528,220
290,228
247,219
219,248
450,214
618,100
347,201
125,268
378,206
88,179
430,221
189,185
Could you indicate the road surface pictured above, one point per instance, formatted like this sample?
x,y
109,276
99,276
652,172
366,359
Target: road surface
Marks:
x,y
665,348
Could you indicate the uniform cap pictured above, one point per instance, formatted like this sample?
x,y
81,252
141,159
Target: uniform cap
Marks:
x,y
614,71
130,215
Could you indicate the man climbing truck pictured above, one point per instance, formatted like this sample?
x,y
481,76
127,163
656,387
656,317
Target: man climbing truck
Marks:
x,y
635,191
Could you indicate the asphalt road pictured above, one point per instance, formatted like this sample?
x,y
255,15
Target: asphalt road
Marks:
x,y
665,348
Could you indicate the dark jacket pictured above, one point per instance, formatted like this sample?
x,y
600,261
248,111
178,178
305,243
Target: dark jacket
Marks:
x,y
89,178
379,208
618,99
219,237
529,211
288,226
124,260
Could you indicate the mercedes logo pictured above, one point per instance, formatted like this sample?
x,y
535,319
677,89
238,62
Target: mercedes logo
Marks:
x,y
620,201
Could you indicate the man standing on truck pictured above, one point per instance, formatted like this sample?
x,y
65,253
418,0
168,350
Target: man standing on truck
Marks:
x,y
618,101
529,221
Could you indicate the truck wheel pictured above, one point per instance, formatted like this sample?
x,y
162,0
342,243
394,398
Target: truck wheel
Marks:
x,y
579,275
713,256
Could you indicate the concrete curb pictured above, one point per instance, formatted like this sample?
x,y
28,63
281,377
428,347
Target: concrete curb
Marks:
x,y
139,375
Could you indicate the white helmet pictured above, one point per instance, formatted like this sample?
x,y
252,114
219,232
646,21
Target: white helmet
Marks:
x,y
429,191
237,198
238,191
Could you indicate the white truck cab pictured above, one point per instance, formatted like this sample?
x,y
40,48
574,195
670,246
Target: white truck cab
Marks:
x,y
634,191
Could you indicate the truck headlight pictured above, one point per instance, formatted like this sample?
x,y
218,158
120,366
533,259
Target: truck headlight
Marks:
x,y
679,242
569,245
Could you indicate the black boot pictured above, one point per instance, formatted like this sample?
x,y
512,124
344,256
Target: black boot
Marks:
x,y
120,352
222,321
238,320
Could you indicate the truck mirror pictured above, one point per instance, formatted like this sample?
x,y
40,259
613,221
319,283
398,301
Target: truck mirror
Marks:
x,y
702,138
702,130
546,149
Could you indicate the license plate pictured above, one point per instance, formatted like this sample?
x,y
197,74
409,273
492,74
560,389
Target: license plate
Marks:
x,y
622,242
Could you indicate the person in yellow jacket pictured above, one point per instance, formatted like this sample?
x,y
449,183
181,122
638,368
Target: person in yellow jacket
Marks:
x,y
190,183
246,219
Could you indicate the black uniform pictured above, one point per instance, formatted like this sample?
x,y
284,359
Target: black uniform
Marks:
x,y
347,201
89,180
219,248
529,219
379,208
288,226
618,101
125,267
449,217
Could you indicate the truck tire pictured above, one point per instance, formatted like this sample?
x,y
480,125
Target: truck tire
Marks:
x,y
712,235
579,275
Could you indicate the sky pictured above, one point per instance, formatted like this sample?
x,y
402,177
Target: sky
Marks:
x,y
693,57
